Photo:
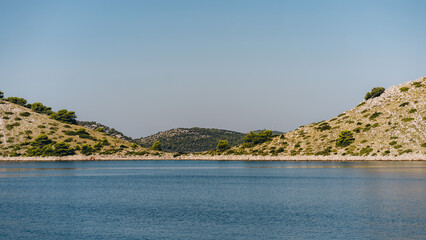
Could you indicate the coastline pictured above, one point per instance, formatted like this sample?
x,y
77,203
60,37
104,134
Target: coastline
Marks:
x,y
410,157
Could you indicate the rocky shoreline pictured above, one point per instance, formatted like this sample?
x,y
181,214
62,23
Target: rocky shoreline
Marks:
x,y
407,157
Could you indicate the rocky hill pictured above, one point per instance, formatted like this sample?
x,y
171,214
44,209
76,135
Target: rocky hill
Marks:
x,y
391,124
103,128
25,132
191,139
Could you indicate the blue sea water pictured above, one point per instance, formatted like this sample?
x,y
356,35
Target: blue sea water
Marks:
x,y
212,200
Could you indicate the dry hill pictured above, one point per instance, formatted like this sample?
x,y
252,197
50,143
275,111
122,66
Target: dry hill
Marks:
x,y
391,124
20,128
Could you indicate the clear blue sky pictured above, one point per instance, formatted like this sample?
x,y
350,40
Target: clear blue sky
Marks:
x,y
147,66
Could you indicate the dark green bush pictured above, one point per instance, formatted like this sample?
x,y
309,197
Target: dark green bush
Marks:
x,y
81,132
87,150
40,108
345,139
357,130
156,146
412,110
65,116
11,126
323,127
375,115
16,100
253,138
222,145
407,119
404,89
404,104
375,92
62,149
366,151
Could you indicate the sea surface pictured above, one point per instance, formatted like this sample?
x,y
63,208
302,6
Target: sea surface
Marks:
x,y
212,200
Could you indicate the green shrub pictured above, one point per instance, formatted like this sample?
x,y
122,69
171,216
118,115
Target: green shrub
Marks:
x,y
407,119
404,89
405,151
345,139
424,145
63,149
417,84
222,145
325,152
253,138
105,142
357,130
412,110
375,115
40,108
375,92
364,141
392,143
366,151
81,132
323,127
98,146
156,146
404,104
11,126
87,150
65,116
16,100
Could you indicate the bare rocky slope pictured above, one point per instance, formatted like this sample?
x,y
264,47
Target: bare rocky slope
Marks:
x,y
393,124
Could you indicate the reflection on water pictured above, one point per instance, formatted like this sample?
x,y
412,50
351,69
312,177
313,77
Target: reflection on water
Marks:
x,y
212,200
11,169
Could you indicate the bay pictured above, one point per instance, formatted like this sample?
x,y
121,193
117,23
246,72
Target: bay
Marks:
x,y
212,200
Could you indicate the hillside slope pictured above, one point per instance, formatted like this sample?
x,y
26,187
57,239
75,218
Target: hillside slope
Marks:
x,y
20,126
108,130
392,124
191,139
